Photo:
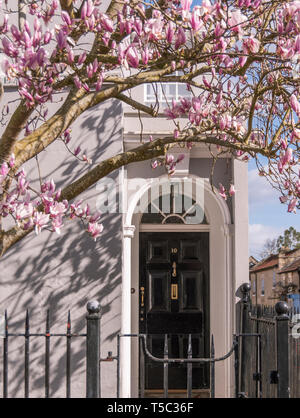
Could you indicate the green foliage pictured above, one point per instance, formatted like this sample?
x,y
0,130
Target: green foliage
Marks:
x,y
290,239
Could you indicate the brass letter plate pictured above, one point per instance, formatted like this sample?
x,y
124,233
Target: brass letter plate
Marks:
x,y
174,291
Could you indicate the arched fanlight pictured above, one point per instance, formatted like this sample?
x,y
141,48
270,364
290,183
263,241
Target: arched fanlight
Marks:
x,y
173,208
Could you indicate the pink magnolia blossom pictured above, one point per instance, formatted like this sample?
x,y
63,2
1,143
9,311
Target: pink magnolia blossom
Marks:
x,y
295,105
95,229
236,21
66,18
24,211
57,209
81,58
222,191
283,199
57,224
186,4
231,190
4,169
169,159
107,23
196,20
180,38
77,151
292,205
132,57
251,45
180,158
170,31
286,157
40,220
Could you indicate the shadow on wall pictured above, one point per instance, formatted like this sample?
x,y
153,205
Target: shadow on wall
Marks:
x,y
98,132
61,273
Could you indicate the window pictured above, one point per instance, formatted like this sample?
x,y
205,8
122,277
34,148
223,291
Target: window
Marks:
x,y
274,279
254,287
6,81
173,207
262,287
164,93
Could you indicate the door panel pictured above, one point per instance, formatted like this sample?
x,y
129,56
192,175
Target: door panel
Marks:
x,y
174,300
158,285
191,291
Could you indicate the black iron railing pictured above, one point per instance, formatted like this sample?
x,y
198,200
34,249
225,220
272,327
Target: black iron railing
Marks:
x,y
166,360
92,352
269,364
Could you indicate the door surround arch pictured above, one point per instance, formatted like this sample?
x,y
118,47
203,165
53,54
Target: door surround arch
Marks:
x,y
221,298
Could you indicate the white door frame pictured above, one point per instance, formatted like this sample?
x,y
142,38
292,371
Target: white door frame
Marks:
x,y
221,285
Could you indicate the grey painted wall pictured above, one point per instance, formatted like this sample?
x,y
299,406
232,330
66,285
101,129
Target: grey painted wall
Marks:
x,y
64,272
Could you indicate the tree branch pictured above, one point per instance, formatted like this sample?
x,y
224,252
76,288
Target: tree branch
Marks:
x,y
136,105
144,152
15,125
22,4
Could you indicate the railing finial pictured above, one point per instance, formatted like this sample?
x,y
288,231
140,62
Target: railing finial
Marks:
x,y
282,309
93,307
243,292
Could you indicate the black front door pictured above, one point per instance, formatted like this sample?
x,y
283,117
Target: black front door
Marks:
x,y
174,300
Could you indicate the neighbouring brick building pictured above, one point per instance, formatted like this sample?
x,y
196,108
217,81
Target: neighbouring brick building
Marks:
x,y
276,278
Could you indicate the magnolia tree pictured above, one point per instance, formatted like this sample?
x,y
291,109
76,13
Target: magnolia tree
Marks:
x,y
238,58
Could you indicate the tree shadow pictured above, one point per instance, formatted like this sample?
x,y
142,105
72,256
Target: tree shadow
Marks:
x,y
62,273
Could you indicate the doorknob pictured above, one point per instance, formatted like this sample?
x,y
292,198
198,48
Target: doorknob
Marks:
x,y
174,273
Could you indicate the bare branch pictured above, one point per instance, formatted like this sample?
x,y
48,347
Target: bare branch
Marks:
x,y
136,105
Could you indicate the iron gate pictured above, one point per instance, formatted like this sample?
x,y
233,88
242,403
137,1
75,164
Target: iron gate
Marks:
x,y
166,361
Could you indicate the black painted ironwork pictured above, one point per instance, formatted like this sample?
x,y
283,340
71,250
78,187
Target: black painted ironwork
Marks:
x,y
282,342
93,350
269,361
5,357
189,369
92,337
166,367
68,358
47,356
212,368
266,353
166,360
27,336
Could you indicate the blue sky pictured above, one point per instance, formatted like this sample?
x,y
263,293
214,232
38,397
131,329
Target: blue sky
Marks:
x,y
268,218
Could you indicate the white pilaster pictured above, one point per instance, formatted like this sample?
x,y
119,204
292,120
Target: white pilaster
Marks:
x,y
241,221
125,349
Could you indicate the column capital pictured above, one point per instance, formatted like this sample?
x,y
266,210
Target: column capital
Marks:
x,y
128,231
